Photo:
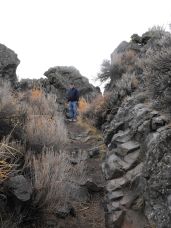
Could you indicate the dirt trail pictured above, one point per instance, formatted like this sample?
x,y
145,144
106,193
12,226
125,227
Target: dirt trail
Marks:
x,y
85,149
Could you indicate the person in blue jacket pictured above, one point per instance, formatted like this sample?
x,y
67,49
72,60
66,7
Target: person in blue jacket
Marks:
x,y
73,98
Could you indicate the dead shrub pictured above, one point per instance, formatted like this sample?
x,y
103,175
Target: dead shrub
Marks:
x,y
44,125
35,102
98,110
126,84
83,105
120,64
48,175
10,154
8,106
46,131
128,57
11,118
158,76
95,110
98,104
52,177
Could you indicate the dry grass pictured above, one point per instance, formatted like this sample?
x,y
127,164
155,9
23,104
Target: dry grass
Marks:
x,y
101,106
158,77
127,83
120,63
127,58
8,103
83,105
48,180
45,125
96,105
89,127
52,179
35,102
44,131
10,153
94,111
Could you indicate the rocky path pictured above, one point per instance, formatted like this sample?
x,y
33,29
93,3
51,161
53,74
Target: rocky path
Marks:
x,y
85,150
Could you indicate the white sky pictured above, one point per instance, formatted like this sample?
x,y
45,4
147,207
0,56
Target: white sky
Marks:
x,y
47,33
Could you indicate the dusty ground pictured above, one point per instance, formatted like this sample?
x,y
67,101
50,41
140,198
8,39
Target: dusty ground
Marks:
x,y
90,212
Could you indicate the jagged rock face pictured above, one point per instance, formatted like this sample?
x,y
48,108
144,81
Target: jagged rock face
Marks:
x,y
61,77
157,171
8,64
137,167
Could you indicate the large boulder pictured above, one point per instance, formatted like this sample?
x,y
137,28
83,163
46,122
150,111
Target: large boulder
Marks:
x,y
8,64
61,77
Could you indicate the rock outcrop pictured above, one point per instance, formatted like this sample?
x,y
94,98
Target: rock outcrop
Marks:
x,y
61,77
135,166
58,81
138,135
8,64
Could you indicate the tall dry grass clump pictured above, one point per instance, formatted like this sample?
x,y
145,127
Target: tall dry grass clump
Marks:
x,y
11,149
83,105
52,178
45,125
49,180
10,154
42,131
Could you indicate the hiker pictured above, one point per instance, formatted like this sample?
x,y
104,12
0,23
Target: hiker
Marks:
x,y
73,98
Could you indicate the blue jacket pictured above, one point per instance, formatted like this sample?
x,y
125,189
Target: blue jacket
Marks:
x,y
73,94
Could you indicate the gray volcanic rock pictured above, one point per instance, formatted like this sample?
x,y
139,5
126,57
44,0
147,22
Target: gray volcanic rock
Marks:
x,y
157,170
19,187
61,77
138,170
137,165
8,64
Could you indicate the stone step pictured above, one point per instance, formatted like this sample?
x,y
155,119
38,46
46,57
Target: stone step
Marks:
x,y
111,167
113,206
116,184
122,137
133,173
115,167
128,199
128,147
131,159
115,195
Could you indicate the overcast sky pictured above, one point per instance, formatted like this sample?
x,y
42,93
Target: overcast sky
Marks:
x,y
81,33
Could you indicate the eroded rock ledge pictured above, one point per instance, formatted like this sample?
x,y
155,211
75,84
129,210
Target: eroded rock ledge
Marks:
x,y
137,167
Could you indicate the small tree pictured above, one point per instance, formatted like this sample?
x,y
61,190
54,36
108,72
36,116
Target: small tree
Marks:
x,y
111,71
105,71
